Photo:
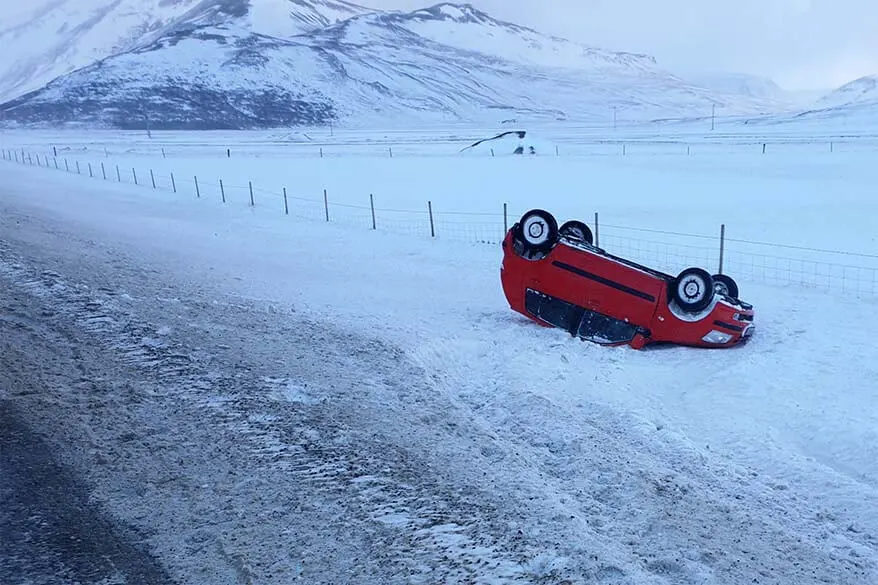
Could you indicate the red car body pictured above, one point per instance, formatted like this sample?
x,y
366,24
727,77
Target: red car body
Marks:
x,y
606,299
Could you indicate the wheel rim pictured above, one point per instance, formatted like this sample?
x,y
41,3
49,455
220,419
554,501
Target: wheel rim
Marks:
x,y
536,230
691,289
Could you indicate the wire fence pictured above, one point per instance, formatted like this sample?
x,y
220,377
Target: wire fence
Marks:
x,y
319,147
849,273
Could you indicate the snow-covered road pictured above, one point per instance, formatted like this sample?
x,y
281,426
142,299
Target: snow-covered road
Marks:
x,y
268,401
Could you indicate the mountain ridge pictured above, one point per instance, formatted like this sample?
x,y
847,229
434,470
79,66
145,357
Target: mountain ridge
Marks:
x,y
222,63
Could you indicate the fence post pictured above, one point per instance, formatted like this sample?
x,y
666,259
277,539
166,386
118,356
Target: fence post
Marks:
x,y
390,150
252,203
597,230
763,148
134,173
222,190
228,153
505,221
492,153
831,147
103,170
722,246
46,156
78,172
624,149
286,206
66,165
163,152
326,204
54,151
118,174
90,175
173,183
432,226
557,152
372,205
321,152
30,159
197,190
152,178
687,150
15,153
39,164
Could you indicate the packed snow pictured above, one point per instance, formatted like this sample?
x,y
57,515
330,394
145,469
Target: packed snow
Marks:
x,y
270,396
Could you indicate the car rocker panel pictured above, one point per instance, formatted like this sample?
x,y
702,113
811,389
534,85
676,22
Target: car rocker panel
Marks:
x,y
559,278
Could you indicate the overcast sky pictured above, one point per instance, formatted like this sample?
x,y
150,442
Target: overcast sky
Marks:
x,y
801,44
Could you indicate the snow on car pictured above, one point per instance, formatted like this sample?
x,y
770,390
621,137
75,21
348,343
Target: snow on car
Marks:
x,y
559,278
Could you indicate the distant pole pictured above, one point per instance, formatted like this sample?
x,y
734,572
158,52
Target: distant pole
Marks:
x,y
252,203
430,211
222,190
614,117
372,205
713,116
286,205
722,246
326,204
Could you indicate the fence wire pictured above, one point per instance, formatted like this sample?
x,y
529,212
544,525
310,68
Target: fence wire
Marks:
x,y
841,272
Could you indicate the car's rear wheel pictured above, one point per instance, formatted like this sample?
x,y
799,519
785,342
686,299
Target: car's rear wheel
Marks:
x,y
578,231
693,289
725,285
538,230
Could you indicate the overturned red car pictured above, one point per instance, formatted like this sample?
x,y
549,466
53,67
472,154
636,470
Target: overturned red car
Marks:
x,y
559,278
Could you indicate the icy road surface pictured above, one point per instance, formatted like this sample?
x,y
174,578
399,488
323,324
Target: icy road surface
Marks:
x,y
255,400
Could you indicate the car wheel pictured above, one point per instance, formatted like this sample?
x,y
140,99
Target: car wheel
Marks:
x,y
693,289
725,285
578,231
538,230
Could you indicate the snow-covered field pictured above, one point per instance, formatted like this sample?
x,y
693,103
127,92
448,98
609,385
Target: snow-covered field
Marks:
x,y
269,398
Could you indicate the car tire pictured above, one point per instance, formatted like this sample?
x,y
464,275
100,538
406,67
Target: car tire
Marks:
x,y
693,289
577,230
538,230
725,285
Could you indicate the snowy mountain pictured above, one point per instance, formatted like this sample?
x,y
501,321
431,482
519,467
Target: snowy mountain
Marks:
x,y
859,91
48,38
235,64
743,85
853,106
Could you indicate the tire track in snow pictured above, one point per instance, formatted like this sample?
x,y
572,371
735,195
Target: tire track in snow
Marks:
x,y
674,513
412,523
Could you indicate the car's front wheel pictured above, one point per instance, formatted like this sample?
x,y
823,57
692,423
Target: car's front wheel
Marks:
x,y
693,289
577,230
538,230
725,285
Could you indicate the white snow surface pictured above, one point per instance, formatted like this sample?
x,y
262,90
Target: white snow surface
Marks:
x,y
441,437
